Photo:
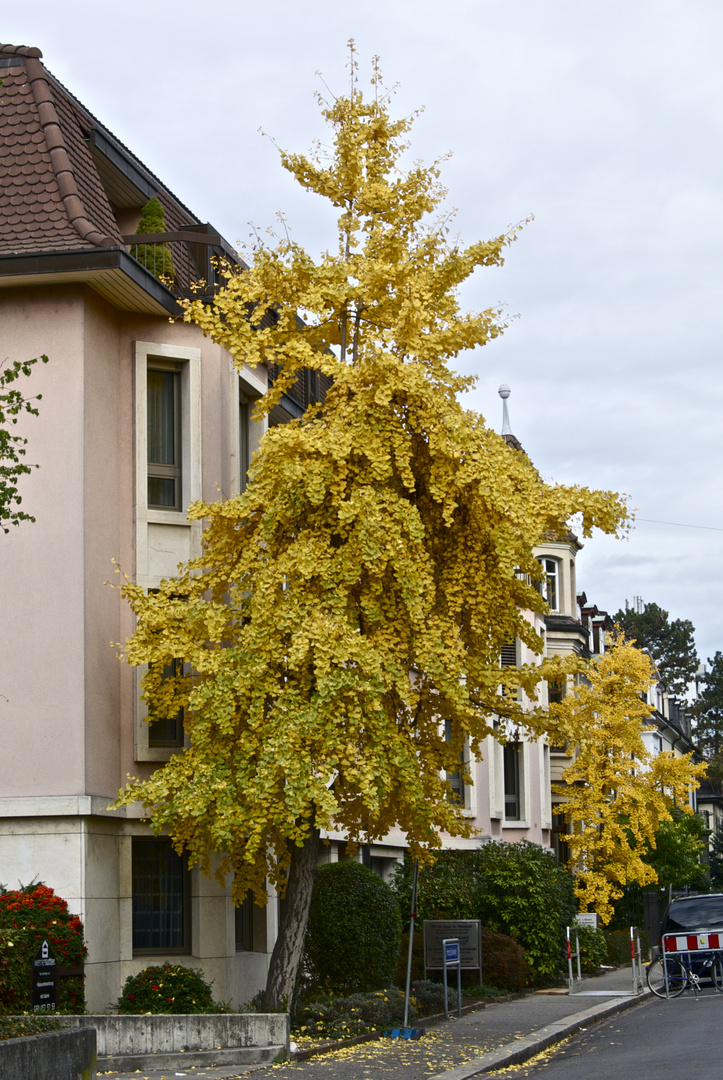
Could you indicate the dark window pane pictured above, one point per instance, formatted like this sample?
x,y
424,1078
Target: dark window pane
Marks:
x,y
551,583
159,900
245,924
164,438
164,732
555,692
161,417
454,779
512,781
161,492
244,436
167,730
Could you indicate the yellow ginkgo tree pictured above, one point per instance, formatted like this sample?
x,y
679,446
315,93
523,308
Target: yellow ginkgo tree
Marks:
x,y
616,791
338,640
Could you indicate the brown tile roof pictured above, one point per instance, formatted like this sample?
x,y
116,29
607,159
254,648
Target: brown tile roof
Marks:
x,y
90,190
42,205
63,179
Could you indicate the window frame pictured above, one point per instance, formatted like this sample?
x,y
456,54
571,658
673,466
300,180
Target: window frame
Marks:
x,y
549,562
185,919
517,796
244,937
152,355
178,740
457,788
163,470
245,389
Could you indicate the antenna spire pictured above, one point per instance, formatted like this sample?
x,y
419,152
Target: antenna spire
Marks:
x,y
504,392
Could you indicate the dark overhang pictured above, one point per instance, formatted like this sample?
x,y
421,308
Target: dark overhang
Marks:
x,y
111,272
125,184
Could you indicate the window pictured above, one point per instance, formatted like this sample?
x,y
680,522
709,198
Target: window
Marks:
x,y
244,440
167,453
244,918
555,692
513,781
161,898
163,416
455,780
168,730
508,657
551,583
560,830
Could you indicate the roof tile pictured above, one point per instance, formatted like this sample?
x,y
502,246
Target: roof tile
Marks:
x,y
33,214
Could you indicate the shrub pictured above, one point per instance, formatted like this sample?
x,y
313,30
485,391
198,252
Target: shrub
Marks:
x,y
171,988
429,996
28,916
155,257
515,889
593,949
354,931
19,1027
356,1014
400,977
528,896
618,946
503,961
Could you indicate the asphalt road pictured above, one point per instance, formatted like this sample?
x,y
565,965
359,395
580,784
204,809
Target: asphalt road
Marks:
x,y
659,1040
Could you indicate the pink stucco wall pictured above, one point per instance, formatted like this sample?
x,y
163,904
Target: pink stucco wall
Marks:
x,y
41,566
66,703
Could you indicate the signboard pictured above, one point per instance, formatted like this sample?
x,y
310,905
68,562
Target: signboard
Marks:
x,y
451,952
466,930
587,918
45,980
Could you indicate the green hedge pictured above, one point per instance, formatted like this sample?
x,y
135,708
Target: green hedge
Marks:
x,y
593,949
20,1027
354,931
504,963
519,890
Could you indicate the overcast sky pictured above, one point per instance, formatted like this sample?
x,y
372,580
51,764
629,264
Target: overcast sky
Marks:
x,y
602,118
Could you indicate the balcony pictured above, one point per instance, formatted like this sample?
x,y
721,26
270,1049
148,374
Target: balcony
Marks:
x,y
189,261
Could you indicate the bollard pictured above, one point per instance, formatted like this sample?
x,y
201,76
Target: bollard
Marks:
x,y
573,984
636,958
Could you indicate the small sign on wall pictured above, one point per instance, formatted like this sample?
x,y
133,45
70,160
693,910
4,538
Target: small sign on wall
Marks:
x,y
587,918
45,980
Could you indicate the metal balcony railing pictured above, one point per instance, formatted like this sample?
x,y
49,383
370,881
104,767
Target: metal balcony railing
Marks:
x,y
190,261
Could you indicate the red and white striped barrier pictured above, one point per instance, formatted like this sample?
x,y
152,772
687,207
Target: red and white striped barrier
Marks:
x,y
712,939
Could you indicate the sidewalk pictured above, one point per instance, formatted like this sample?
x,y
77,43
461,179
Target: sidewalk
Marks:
x,y
481,1041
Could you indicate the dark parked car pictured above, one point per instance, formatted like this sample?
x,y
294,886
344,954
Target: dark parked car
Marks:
x,y
693,924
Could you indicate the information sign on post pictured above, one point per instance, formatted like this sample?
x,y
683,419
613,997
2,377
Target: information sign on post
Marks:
x,y
451,950
468,933
45,980
587,918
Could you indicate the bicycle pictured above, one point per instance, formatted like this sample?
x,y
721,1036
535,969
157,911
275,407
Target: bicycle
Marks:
x,y
681,976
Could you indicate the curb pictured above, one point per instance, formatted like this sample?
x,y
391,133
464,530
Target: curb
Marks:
x,y
525,1047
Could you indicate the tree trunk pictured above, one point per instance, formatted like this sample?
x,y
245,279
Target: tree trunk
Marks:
x,y
290,940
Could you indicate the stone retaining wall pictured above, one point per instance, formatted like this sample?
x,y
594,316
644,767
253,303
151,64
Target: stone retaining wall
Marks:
x,y
249,1037
54,1055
